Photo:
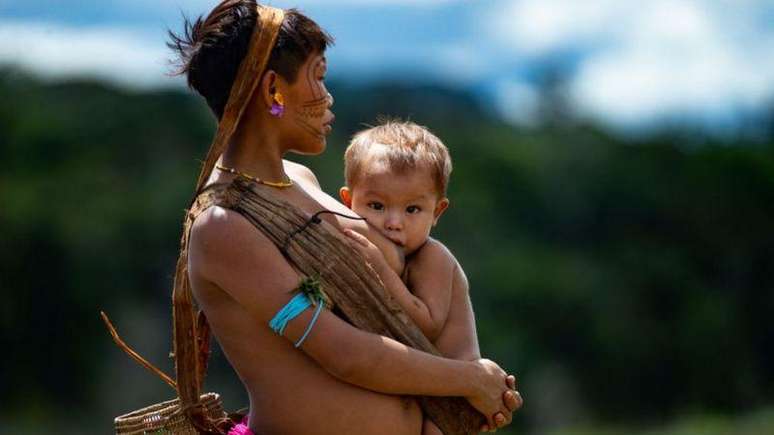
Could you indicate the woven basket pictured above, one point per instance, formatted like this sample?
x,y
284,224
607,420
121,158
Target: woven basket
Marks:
x,y
167,418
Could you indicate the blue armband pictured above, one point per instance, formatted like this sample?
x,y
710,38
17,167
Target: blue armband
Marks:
x,y
310,294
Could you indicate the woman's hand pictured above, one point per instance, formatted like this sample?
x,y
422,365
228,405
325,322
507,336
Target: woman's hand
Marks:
x,y
371,253
496,397
512,400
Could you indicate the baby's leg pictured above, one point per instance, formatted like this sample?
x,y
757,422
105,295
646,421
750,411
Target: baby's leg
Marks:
x,y
429,428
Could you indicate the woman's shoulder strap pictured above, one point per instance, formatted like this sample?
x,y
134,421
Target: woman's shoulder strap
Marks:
x,y
222,195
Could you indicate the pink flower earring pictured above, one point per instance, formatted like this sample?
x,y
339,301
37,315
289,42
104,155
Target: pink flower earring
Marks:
x,y
278,105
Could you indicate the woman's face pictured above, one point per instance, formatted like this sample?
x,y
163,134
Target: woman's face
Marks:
x,y
308,119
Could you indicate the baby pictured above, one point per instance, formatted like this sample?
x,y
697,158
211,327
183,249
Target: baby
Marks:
x,y
396,175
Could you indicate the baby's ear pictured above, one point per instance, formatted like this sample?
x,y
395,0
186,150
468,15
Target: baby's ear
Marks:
x,y
346,196
440,207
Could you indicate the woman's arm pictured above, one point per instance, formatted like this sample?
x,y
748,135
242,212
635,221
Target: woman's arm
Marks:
x,y
226,250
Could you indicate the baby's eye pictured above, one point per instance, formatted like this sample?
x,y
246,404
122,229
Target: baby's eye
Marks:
x,y
413,209
378,206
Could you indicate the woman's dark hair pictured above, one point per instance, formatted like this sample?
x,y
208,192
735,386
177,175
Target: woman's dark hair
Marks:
x,y
210,50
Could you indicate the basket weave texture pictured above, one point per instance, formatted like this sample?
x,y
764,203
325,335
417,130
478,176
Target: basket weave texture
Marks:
x,y
167,417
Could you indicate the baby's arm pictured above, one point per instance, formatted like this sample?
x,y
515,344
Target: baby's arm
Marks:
x,y
432,275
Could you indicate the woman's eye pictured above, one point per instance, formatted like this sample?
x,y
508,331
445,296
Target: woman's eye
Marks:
x,y
413,209
378,206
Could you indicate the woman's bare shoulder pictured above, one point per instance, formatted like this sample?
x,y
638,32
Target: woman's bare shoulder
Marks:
x,y
219,225
298,171
222,241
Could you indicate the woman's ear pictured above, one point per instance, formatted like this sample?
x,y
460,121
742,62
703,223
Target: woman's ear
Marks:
x,y
267,88
346,196
440,207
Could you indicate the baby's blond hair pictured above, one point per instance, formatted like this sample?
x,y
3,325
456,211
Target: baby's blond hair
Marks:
x,y
408,146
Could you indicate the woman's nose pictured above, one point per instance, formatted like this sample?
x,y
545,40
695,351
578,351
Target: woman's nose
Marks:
x,y
330,100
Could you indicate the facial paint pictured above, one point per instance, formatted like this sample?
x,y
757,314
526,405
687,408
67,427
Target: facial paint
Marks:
x,y
310,113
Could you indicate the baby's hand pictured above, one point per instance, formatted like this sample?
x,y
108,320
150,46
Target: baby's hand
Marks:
x,y
372,254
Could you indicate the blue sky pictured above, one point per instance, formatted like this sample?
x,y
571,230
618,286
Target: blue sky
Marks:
x,y
629,64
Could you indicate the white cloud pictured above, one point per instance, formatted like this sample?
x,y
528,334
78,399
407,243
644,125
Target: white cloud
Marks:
x,y
51,50
680,59
540,27
642,63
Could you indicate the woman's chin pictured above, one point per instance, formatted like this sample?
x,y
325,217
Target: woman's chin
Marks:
x,y
312,149
321,148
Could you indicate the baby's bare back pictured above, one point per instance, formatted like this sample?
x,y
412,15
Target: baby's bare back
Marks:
x,y
457,338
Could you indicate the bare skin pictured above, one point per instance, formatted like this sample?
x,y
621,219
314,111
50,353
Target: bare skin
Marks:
x,y
444,297
239,318
434,270
342,379
433,289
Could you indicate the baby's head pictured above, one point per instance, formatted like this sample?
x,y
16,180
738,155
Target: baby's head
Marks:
x,y
396,175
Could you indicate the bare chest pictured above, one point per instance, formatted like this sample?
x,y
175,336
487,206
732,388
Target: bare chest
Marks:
x,y
314,202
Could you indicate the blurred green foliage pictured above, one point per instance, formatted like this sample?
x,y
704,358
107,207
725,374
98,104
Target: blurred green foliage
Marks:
x,y
627,282
756,423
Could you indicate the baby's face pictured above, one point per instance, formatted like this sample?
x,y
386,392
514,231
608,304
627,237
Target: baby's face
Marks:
x,y
402,206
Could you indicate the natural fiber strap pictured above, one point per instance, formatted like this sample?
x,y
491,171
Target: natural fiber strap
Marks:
x,y
191,343
348,280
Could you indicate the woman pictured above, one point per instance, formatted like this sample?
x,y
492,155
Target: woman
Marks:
x,y
262,73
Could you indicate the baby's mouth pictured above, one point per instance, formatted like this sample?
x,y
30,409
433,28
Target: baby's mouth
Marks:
x,y
397,241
